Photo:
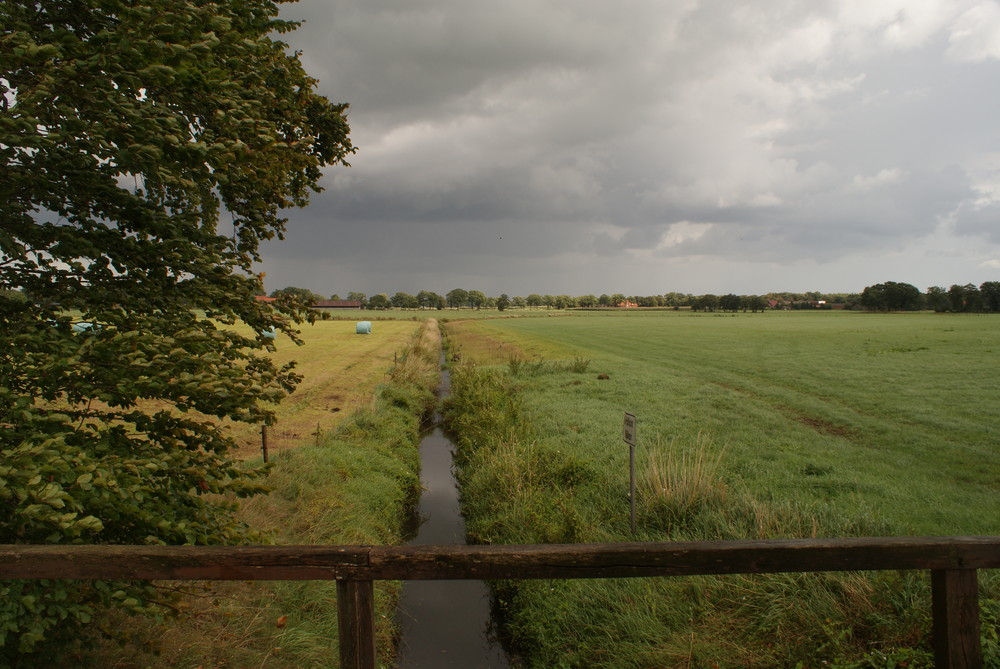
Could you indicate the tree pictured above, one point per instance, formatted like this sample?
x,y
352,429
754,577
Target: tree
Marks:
x,y
380,301
358,297
476,298
973,298
707,302
404,301
990,292
674,299
729,302
457,298
936,298
503,302
429,300
563,301
124,129
891,296
534,300
303,295
754,303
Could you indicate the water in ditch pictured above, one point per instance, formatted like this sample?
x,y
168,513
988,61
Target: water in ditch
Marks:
x,y
444,623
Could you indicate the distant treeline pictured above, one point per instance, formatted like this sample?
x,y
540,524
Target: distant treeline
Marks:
x,y
892,296
460,298
888,296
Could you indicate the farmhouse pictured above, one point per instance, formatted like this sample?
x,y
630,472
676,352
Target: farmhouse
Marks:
x,y
336,304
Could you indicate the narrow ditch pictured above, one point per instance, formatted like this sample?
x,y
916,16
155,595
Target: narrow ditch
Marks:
x,y
444,623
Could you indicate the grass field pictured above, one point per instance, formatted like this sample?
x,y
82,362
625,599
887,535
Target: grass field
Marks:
x,y
339,369
783,424
893,414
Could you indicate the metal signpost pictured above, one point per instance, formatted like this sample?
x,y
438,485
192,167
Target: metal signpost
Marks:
x,y
629,434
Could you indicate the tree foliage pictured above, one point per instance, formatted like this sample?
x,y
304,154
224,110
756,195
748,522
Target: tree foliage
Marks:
x,y
891,296
403,300
457,297
126,128
303,295
379,301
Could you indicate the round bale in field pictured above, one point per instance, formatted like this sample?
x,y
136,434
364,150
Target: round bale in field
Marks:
x,y
364,327
84,326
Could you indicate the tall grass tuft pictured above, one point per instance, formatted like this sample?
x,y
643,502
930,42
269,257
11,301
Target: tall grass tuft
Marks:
x,y
578,365
518,366
677,484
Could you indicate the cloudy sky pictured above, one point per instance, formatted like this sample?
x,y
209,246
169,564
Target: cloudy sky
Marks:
x,y
642,146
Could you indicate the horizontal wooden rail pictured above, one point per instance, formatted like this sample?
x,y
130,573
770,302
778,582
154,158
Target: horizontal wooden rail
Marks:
x,y
952,561
618,560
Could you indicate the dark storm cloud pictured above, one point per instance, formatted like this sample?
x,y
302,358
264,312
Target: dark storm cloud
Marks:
x,y
553,147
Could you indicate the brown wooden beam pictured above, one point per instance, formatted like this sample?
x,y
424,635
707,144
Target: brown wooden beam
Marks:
x,y
955,610
260,563
497,562
680,558
356,624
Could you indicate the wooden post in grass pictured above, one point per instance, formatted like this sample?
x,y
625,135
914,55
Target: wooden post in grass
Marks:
x,y
263,441
629,434
955,608
356,623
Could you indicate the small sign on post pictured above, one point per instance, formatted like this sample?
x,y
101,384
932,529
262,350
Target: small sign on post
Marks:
x,y
631,437
628,430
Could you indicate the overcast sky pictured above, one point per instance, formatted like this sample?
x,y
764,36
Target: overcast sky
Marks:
x,y
642,147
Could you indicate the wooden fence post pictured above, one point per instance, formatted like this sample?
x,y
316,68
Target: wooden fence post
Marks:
x,y
955,610
356,623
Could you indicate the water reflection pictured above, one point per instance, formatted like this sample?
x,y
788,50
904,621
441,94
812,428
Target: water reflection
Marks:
x,y
444,624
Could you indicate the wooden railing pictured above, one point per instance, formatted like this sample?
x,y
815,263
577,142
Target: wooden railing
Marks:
x,y
952,561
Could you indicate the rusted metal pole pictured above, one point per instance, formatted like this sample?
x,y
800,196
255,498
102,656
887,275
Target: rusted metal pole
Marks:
x,y
356,623
955,610
631,487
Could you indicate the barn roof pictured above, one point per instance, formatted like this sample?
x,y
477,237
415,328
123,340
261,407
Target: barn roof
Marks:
x,y
337,304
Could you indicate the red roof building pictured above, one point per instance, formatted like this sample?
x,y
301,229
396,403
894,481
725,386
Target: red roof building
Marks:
x,y
336,304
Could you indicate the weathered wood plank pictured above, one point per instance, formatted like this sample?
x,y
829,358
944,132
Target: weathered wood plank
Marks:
x,y
955,610
498,562
680,558
179,562
356,624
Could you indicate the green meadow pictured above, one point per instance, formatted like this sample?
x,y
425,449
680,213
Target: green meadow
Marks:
x,y
781,424
891,414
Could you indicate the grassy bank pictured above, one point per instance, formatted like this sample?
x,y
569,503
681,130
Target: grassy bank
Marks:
x,y
774,426
339,369
355,487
